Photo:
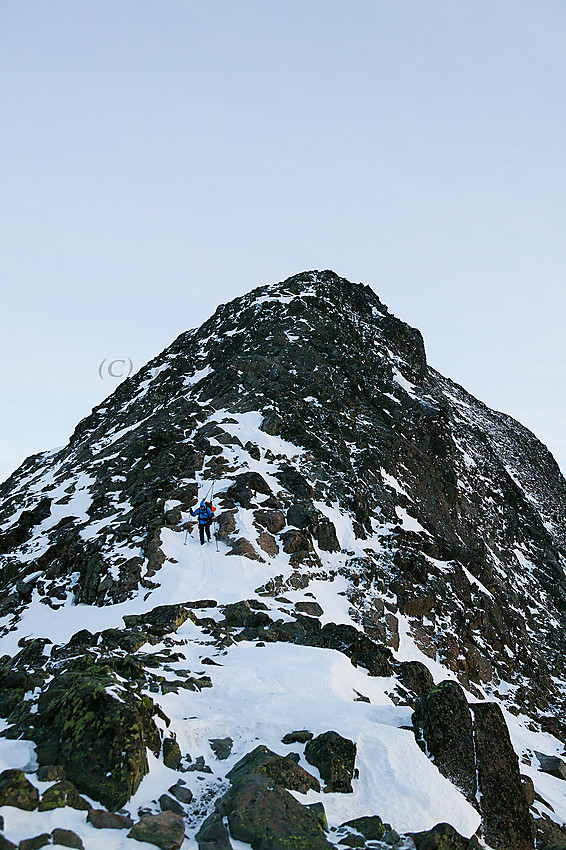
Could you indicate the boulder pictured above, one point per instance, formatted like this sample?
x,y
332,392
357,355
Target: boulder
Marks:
x,y
301,736
313,609
301,514
370,827
295,540
268,543
35,843
213,834
168,804
171,754
242,546
221,747
443,721
181,792
506,821
102,819
100,737
552,765
274,521
161,620
294,482
236,612
166,830
280,769
16,790
444,837
67,838
266,815
324,532
62,794
416,677
7,845
334,756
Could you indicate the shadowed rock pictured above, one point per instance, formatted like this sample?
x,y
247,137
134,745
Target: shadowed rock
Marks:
x,y
166,830
444,722
444,837
278,768
16,790
265,815
334,756
506,821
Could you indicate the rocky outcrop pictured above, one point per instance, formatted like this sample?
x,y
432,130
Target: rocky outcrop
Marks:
x,y
506,821
442,721
98,731
334,756
281,770
264,814
472,748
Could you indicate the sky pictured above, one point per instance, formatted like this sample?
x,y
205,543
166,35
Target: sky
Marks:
x,y
159,158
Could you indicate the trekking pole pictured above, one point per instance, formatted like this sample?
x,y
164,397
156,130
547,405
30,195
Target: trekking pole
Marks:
x,y
186,532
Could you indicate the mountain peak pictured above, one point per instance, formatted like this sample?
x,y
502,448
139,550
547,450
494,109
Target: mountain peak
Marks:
x,y
365,506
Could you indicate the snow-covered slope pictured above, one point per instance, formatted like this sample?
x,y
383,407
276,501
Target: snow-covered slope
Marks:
x,y
358,492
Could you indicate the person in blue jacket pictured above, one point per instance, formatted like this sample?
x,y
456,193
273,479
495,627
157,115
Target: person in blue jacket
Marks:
x,y
205,517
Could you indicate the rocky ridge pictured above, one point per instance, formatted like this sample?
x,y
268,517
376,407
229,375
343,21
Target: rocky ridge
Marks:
x,y
374,512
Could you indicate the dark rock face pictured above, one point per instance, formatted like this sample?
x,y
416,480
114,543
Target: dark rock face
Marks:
x,y
334,756
265,815
279,769
506,821
444,722
479,758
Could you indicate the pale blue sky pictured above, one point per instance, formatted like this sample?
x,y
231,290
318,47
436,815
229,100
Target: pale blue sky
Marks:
x,y
158,158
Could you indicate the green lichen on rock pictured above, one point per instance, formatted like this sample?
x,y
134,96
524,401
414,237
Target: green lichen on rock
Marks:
x,y
266,815
16,790
97,730
278,768
334,756
62,794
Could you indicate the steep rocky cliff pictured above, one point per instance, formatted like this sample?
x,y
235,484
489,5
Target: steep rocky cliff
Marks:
x,y
377,516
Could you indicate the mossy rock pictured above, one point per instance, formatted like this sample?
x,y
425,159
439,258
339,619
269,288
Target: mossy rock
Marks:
x,y
371,827
16,790
62,794
278,768
266,815
98,731
334,756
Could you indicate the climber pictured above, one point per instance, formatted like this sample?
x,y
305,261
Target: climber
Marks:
x,y
205,513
